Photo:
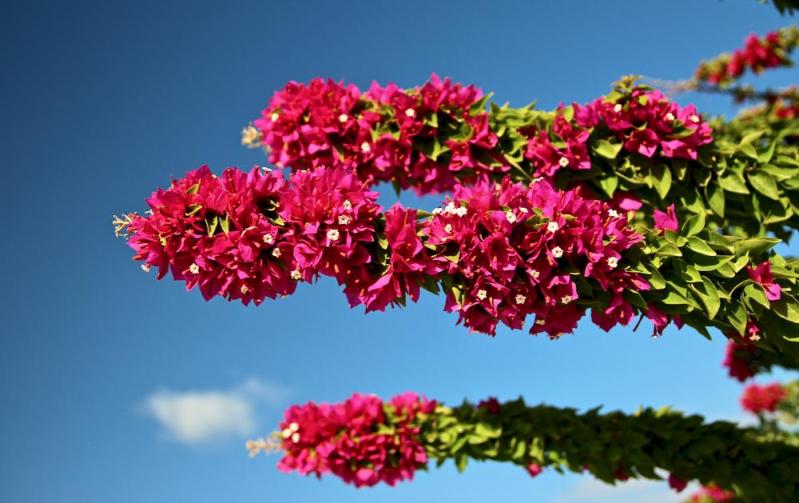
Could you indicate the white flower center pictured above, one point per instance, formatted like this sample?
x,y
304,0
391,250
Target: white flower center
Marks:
x,y
344,219
347,205
563,162
145,267
617,108
613,262
448,228
482,294
557,252
194,269
276,253
510,216
520,299
566,299
296,275
332,234
410,112
365,147
295,437
244,290
274,116
343,118
533,273
613,213
695,118
268,239
669,116
552,226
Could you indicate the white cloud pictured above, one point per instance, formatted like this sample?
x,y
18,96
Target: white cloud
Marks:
x,y
203,416
591,490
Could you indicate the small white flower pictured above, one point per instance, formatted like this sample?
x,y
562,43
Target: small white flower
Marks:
x,y
296,276
194,269
268,239
365,147
266,169
510,216
276,253
344,219
482,294
343,118
520,299
274,116
613,213
557,252
286,433
410,112
524,210
669,116
347,205
145,267
533,273
540,322
462,211
566,299
438,211
333,235
294,426
552,226
448,228
244,290
295,438
694,118
450,208
613,262
563,162
617,108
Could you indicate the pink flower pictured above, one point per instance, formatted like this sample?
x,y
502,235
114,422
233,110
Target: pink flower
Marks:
x,y
739,360
491,404
677,483
362,440
759,399
666,221
762,276
534,469
712,494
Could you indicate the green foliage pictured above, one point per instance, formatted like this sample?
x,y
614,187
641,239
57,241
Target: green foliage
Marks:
x,y
607,444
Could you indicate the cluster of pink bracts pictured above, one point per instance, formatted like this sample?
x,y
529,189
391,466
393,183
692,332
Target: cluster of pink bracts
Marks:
x,y
758,54
346,439
391,134
506,248
759,399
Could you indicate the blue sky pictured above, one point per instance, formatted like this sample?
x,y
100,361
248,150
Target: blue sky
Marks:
x,y
112,383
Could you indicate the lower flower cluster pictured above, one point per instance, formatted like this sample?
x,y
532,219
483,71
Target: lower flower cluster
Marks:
x,y
500,252
759,399
362,440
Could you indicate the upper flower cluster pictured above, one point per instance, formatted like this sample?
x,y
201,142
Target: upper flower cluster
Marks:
x,y
759,399
421,137
362,440
644,121
758,54
510,251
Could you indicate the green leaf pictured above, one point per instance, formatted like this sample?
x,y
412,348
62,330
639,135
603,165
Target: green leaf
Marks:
x,y
786,307
709,295
608,184
699,246
662,176
607,149
754,246
211,226
732,182
715,199
765,184
225,224
694,225
738,317
669,250
756,294
748,150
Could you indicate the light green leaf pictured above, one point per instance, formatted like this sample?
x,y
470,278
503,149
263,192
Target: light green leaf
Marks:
x,y
607,149
700,246
765,184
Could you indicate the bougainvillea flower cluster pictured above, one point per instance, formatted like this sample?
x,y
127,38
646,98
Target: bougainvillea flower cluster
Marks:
x,y
508,246
758,399
420,137
362,440
645,122
712,494
740,360
500,251
758,54
763,277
